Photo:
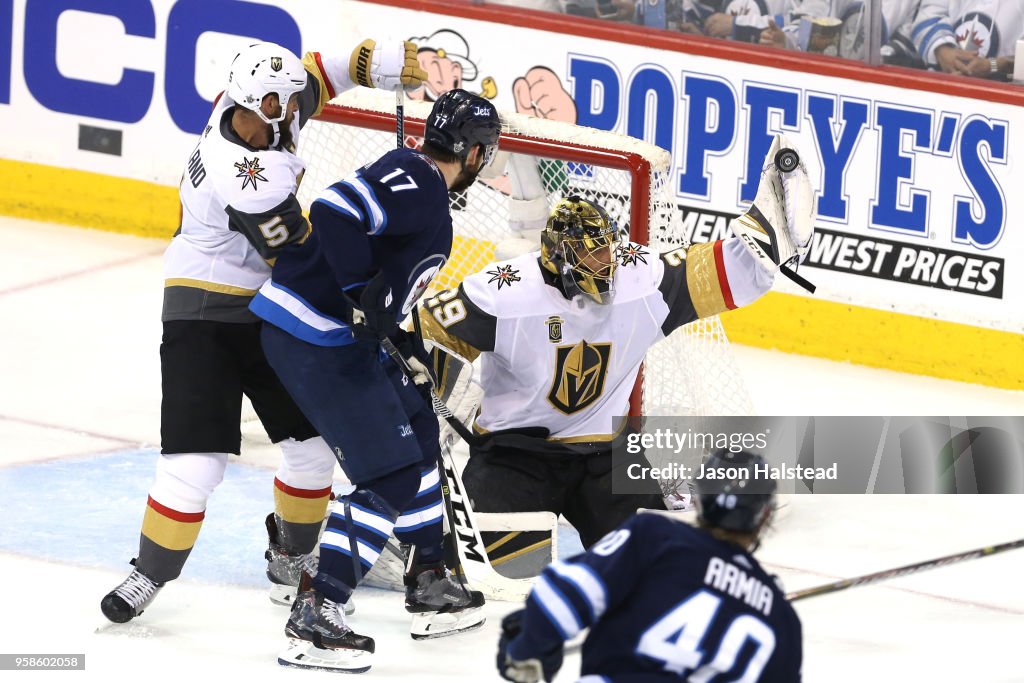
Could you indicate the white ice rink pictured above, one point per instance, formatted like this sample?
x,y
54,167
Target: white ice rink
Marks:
x,y
79,424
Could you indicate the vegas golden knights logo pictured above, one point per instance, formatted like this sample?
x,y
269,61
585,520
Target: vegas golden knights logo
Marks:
x,y
579,375
554,329
276,63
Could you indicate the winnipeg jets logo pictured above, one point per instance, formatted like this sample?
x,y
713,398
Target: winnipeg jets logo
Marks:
x,y
504,275
631,253
250,172
976,33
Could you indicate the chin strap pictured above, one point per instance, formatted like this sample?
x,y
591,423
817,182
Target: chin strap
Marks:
x,y
277,134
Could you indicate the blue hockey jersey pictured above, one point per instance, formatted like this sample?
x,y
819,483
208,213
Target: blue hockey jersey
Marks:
x,y
665,601
391,215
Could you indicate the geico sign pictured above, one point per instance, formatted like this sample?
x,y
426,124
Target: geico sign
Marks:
x,y
128,100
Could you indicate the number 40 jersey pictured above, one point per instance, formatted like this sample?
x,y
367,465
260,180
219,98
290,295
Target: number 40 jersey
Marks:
x,y
665,601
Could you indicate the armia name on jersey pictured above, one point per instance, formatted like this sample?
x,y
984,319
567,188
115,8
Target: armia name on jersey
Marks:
x,y
727,578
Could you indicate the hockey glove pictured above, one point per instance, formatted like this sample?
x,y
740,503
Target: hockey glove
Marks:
x,y
527,670
778,226
388,65
376,316
410,345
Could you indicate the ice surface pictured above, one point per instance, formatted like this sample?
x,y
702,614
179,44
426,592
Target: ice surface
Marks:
x,y
79,417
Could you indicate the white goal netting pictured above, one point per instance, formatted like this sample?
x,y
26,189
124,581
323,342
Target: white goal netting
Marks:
x,y
690,373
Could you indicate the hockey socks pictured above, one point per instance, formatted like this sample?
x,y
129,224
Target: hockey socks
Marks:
x,y
357,530
420,523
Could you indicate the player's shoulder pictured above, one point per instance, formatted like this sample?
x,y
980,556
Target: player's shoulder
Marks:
x,y
404,166
507,288
639,270
250,179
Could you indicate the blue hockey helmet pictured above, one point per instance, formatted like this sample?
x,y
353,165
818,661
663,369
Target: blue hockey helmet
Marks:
x,y
739,499
461,120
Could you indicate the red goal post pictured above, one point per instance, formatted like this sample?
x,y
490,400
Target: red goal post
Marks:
x,y
690,373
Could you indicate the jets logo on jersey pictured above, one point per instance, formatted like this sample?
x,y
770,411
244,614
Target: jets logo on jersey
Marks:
x,y
504,275
250,172
420,279
580,371
631,253
975,33
554,329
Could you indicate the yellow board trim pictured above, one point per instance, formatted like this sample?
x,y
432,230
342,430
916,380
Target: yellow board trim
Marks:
x,y
90,200
786,322
881,339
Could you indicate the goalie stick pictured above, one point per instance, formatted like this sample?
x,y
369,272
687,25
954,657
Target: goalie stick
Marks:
x,y
471,557
843,584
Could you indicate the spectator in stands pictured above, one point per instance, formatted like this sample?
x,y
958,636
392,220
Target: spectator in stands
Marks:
x,y
615,10
974,38
897,23
767,22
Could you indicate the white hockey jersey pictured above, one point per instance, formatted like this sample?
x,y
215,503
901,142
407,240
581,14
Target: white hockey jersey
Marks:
x,y
238,207
989,28
570,365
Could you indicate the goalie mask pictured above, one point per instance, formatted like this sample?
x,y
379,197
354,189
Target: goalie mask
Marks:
x,y
261,69
580,244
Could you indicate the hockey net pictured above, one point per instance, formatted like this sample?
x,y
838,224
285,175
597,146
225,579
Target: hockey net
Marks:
x,y
690,373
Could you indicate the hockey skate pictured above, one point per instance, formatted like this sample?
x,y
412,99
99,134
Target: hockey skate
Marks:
x,y
439,605
320,638
129,599
284,569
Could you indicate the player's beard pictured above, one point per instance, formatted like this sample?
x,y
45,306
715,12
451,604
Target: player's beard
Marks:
x,y
286,133
465,178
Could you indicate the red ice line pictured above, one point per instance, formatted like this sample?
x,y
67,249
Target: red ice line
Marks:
x,y
946,598
67,276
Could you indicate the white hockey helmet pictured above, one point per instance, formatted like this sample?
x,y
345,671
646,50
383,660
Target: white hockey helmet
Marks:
x,y
264,68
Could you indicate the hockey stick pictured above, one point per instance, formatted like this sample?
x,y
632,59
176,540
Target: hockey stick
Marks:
x,y
471,557
904,570
400,116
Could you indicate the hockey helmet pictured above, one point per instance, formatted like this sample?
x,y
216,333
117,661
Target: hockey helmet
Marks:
x,y
261,69
461,120
741,501
580,245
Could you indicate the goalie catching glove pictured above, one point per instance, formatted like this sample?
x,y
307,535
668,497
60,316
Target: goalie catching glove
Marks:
x,y
388,65
778,226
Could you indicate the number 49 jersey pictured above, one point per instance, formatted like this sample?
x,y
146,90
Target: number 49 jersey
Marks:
x,y
666,601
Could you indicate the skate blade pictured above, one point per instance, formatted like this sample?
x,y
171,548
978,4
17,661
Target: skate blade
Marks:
x,y
440,624
304,655
281,594
285,596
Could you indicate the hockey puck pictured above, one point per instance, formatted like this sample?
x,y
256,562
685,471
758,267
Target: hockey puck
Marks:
x,y
786,159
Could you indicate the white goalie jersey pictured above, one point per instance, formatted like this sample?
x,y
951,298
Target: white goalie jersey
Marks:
x,y
570,365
